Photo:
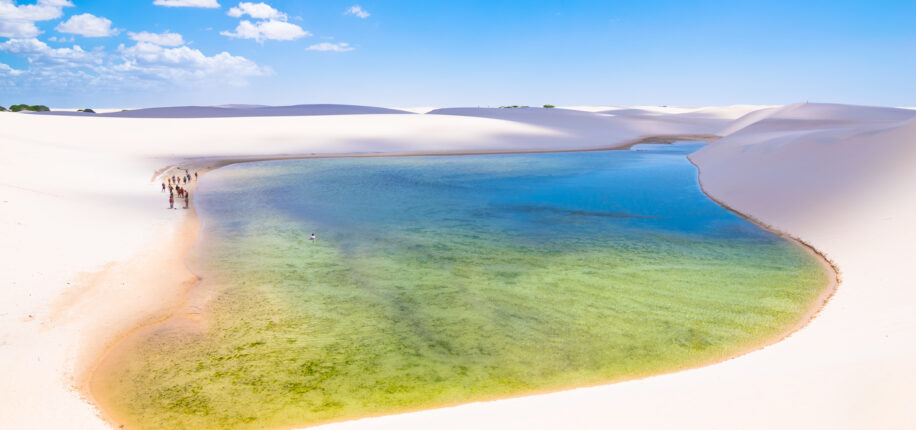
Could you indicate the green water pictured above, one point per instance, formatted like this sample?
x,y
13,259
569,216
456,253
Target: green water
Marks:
x,y
440,280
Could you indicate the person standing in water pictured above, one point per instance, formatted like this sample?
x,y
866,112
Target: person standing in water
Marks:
x,y
313,238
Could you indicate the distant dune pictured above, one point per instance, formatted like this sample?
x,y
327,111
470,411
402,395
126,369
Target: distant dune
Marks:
x,y
594,127
232,111
810,116
416,109
717,112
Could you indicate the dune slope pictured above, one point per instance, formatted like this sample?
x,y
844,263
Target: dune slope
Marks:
x,y
594,126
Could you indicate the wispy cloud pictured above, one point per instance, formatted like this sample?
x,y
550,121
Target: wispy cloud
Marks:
x,y
161,39
41,55
357,10
187,3
334,47
87,25
6,70
19,20
184,65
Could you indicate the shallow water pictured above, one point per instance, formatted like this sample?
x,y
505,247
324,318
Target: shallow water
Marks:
x,y
440,280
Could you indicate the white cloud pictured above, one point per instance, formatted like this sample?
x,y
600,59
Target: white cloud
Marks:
x,y
6,70
183,64
19,21
257,11
162,39
267,30
87,25
271,24
358,11
334,47
40,54
144,65
187,3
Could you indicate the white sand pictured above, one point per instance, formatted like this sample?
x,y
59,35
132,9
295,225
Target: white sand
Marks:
x,y
416,109
76,197
233,111
720,112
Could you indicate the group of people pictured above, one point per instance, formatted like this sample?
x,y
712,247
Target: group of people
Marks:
x,y
174,183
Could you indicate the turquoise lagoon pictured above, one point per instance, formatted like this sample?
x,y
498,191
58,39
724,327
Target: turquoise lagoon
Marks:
x,y
441,280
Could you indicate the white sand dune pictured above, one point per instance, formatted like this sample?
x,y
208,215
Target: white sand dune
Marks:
x,y
416,109
720,112
96,110
88,251
235,111
592,126
638,110
816,116
724,112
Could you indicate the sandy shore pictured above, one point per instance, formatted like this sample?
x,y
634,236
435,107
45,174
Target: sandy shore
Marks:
x,y
77,192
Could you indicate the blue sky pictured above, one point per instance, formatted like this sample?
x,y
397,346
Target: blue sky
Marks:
x,y
111,53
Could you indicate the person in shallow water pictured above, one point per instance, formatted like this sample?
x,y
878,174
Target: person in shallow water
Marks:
x,y
313,238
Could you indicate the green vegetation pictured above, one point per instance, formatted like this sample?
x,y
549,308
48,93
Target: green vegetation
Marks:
x,y
3,109
549,106
513,107
85,110
32,108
